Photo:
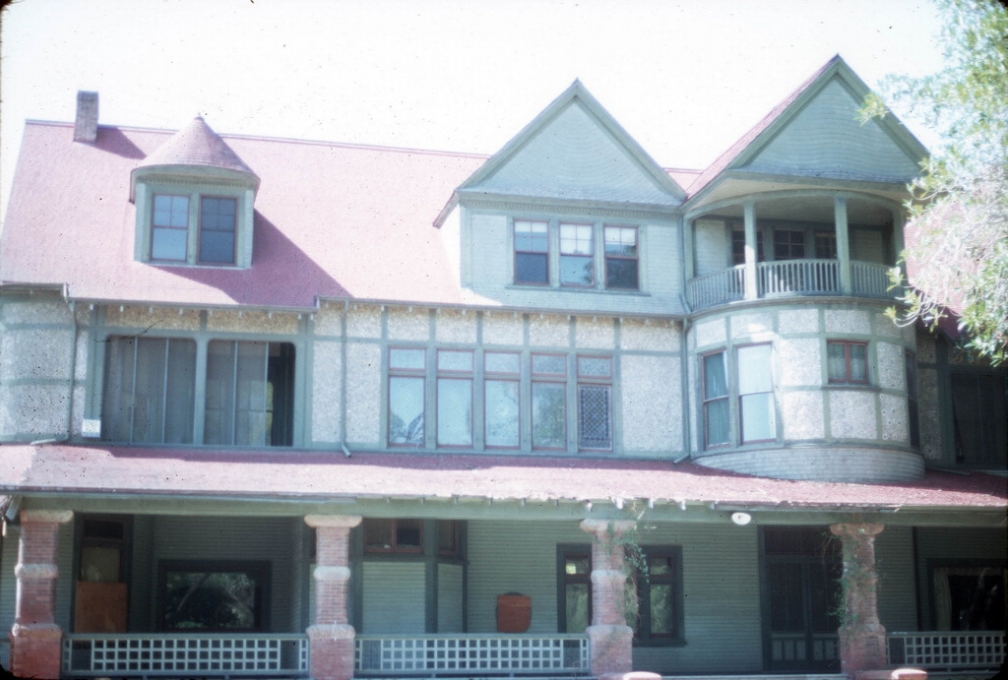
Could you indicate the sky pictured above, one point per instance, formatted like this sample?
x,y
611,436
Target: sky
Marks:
x,y
685,78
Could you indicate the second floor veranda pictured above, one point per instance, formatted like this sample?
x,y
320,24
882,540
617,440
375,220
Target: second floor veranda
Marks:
x,y
792,245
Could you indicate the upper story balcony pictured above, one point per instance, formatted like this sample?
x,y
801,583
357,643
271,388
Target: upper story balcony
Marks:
x,y
795,244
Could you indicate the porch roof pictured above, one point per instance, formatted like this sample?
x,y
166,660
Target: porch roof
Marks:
x,y
316,476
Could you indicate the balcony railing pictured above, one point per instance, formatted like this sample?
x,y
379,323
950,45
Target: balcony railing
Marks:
x,y
483,654
172,654
948,651
786,278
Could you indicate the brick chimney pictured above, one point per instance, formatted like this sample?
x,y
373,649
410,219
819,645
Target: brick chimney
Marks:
x,y
86,125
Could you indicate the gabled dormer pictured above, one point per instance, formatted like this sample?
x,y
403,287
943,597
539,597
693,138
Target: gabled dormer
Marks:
x,y
194,202
570,213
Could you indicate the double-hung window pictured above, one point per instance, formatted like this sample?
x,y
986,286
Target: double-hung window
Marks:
x,y
407,383
755,408
150,394
577,261
194,229
572,250
621,258
531,244
847,362
789,244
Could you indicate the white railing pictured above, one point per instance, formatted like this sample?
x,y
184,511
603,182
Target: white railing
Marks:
x,y
788,277
798,277
492,654
948,650
717,288
205,655
871,280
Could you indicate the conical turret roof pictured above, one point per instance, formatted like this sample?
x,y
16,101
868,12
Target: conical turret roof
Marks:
x,y
197,144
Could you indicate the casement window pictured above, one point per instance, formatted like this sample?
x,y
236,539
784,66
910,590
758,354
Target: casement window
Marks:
x,y
594,409
194,229
150,395
454,397
577,255
531,256
979,418
756,412
406,395
847,362
549,401
621,266
211,596
512,390
502,399
393,535
655,583
572,250
913,416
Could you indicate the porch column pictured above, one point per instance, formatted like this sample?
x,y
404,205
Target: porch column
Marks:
x,y
331,637
842,243
862,637
610,637
751,251
36,638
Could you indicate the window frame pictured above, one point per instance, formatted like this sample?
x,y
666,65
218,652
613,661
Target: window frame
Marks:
x,y
281,412
566,552
393,547
445,375
394,372
643,637
553,380
913,403
577,239
148,193
741,396
557,247
847,378
721,398
512,378
993,451
593,382
261,598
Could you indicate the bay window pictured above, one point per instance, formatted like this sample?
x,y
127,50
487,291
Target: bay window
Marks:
x,y
751,385
847,362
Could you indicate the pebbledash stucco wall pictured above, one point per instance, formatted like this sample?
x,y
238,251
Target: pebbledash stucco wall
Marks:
x,y
348,407
854,433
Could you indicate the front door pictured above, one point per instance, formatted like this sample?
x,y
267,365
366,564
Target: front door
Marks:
x,y
801,598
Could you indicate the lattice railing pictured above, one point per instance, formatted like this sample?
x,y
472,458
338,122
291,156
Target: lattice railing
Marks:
x,y
531,654
799,648
948,650
171,654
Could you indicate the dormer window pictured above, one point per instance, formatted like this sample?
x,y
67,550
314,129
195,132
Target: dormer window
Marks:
x,y
194,202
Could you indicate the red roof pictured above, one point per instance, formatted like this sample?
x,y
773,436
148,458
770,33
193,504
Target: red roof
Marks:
x,y
319,207
197,144
327,475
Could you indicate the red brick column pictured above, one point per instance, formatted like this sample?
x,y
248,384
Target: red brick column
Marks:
x,y
35,637
331,648
610,637
862,637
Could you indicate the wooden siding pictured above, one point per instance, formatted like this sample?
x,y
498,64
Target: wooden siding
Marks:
x,y
450,598
897,592
713,248
394,598
721,599
573,157
825,140
230,538
508,557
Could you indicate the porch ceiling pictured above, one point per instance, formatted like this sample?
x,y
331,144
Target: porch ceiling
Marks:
x,y
474,485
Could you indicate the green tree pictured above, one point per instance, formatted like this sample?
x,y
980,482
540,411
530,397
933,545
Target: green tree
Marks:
x,y
958,259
